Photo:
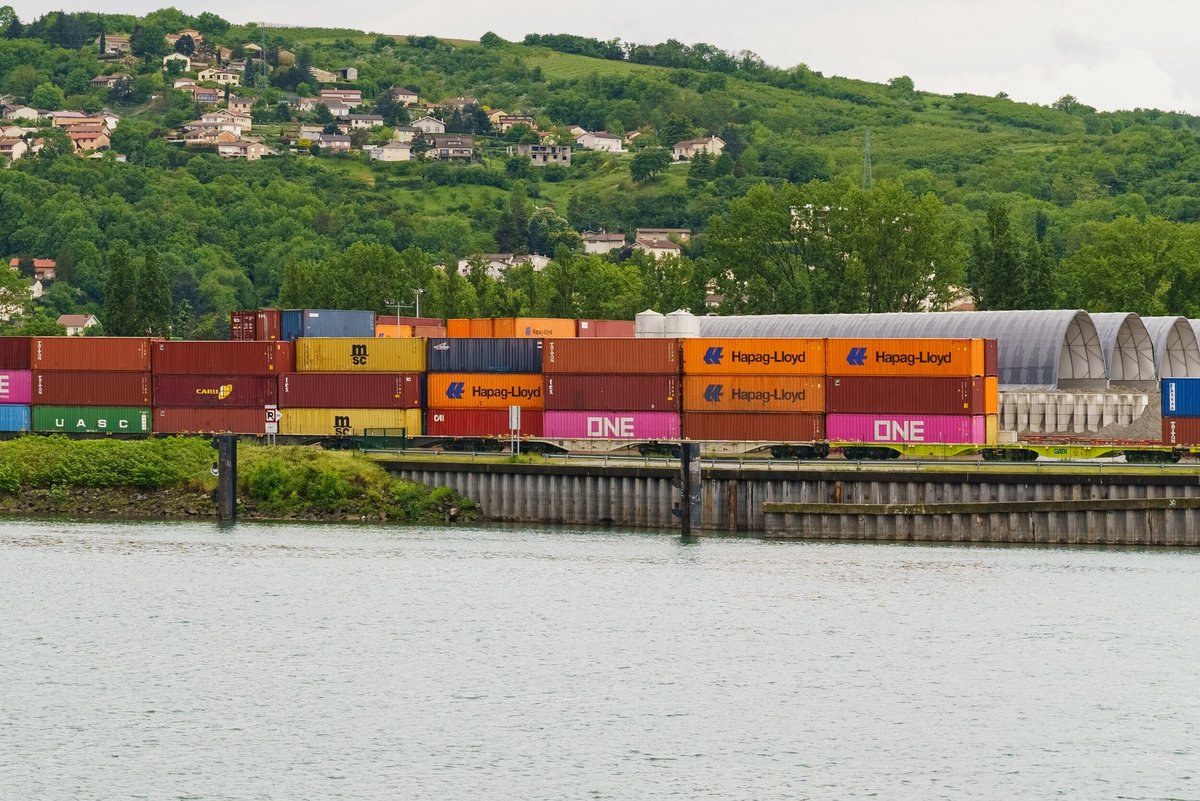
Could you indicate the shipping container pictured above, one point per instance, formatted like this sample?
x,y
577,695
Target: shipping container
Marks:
x,y
485,355
754,393
243,326
16,386
480,423
430,331
991,395
1181,397
113,354
616,393
352,390
907,428
223,358
347,422
15,418
611,356
92,419
359,355
393,331
991,357
90,388
458,329
14,353
185,420
215,391
857,394
533,327
905,357
733,427
338,323
291,324
484,390
992,429
482,327
733,356
610,329
1181,430
391,319
610,425
268,325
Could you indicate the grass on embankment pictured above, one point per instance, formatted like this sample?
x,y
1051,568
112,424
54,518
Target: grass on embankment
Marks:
x,y
171,477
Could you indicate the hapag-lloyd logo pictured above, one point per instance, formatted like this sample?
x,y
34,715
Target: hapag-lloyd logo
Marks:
x,y
222,392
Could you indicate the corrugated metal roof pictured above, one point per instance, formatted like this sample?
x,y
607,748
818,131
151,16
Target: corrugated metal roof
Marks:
x,y
1128,349
1176,350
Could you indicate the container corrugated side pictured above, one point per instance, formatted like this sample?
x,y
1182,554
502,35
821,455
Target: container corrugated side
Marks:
x,y
92,419
480,423
624,329
268,325
482,327
120,354
991,395
458,328
338,323
393,331
992,429
991,357
391,319
14,417
243,326
630,393
90,388
911,428
1180,397
533,327
905,357
291,324
218,391
453,355
352,390
484,390
610,425
734,427
14,353
1181,430
16,386
223,358
753,356
191,420
864,394
611,356
360,355
430,331
347,422
777,394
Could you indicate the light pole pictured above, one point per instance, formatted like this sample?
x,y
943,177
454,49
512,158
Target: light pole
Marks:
x,y
418,293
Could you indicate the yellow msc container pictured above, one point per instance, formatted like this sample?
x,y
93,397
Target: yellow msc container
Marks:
x,y
359,355
393,331
347,422
534,328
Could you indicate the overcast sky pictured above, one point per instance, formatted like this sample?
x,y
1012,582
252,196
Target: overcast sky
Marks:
x,y
1111,55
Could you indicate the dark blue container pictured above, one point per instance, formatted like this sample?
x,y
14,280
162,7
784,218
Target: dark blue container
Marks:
x,y
338,323
1181,397
291,324
461,355
14,418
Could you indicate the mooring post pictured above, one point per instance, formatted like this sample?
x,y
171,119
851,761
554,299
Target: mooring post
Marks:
x,y
689,487
226,445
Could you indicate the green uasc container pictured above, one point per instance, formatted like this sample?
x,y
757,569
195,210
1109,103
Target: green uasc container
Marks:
x,y
92,419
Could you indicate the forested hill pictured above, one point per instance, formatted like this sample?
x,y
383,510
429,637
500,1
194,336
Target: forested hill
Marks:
x,y
1028,206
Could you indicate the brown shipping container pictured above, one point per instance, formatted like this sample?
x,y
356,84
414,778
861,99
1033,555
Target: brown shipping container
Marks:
x,y
14,353
110,354
351,390
732,426
391,319
905,357
430,332
610,329
268,325
1181,430
991,357
756,356
181,420
480,423
215,391
223,358
243,326
611,356
90,388
614,393
482,327
864,394
458,328
754,393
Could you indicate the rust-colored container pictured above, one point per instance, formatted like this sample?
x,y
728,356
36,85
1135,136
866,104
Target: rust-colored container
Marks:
x,y
391,319
14,353
1181,430
243,326
754,393
533,327
215,391
606,328
181,420
482,327
430,332
732,427
611,356
110,354
753,356
458,328
485,390
90,388
615,393
223,358
991,357
480,423
268,325
905,357
865,394
352,390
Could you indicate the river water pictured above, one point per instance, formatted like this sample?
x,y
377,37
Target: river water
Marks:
x,y
297,662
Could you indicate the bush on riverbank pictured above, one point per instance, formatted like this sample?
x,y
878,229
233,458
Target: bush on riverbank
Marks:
x,y
39,462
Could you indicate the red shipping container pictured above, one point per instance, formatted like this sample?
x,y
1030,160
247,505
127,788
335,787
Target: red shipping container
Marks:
x,y
905,395
243,326
618,393
611,356
479,423
351,390
991,357
180,420
223,358
111,354
430,331
267,325
1181,430
90,388
624,329
14,353
216,391
733,427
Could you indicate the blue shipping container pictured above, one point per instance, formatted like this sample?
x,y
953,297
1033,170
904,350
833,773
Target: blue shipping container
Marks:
x,y
14,418
485,356
338,323
1181,397
291,324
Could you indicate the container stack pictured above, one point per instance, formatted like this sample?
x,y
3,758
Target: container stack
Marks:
x,y
1181,411
16,381
91,385
473,381
611,388
754,389
257,324
216,387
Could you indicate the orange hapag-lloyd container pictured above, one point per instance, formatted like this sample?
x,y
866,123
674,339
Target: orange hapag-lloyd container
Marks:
x,y
753,393
534,327
753,356
459,328
991,394
484,390
867,356
482,328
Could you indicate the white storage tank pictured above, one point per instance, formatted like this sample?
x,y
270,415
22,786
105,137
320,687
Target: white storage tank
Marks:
x,y
681,324
649,324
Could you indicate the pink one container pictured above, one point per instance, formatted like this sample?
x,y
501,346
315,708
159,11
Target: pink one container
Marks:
x,y
16,386
611,425
910,428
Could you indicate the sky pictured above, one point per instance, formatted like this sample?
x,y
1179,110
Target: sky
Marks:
x,y
1110,55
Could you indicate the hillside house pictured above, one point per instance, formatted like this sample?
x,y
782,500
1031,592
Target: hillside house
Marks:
x,y
497,263
208,135
658,248
600,242
393,151
674,234
239,148
404,134
347,73
204,95
310,132
506,121
77,324
110,82
351,97
43,269
225,120
459,103
197,37
17,111
600,140
86,141
334,142
185,63
450,147
219,76
13,149
362,122
240,105
403,96
690,148
182,83
114,44
429,125
543,155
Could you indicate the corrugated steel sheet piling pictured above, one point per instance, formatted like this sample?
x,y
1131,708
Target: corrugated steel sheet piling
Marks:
x,y
226,445
689,489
